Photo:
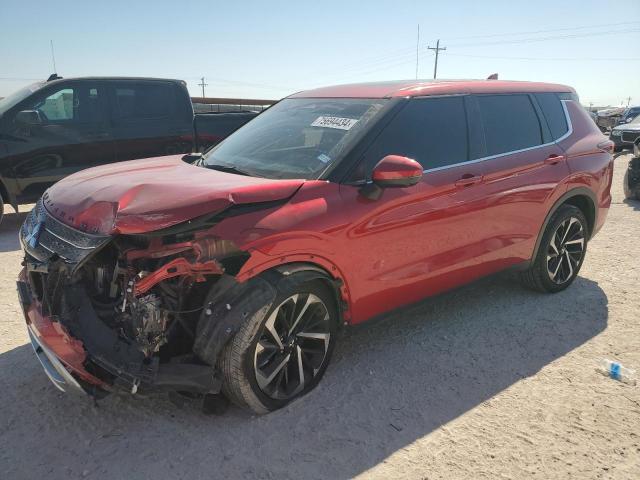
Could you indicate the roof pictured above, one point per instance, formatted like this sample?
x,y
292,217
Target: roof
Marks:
x,y
115,78
413,88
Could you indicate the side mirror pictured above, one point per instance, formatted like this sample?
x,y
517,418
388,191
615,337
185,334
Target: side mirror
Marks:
x,y
28,117
393,171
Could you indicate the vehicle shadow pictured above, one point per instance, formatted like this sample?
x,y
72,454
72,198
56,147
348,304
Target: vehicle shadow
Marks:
x,y
635,204
9,227
389,384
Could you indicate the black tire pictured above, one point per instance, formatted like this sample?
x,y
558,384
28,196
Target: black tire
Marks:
x,y
1,209
239,358
539,276
630,193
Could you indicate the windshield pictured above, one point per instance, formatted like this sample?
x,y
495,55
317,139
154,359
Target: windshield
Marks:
x,y
7,102
296,138
635,121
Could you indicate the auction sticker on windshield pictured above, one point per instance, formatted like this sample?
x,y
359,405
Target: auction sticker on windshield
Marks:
x,y
334,122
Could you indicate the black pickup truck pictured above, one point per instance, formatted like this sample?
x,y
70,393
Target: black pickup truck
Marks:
x,y
51,129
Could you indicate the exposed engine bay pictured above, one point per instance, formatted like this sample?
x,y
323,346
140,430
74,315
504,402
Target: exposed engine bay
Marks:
x,y
152,311
154,293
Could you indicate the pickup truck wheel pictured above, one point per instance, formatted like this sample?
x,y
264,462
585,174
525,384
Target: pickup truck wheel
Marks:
x,y
277,357
561,251
1,209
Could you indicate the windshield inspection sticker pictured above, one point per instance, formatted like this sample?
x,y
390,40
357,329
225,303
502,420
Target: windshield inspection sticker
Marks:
x,y
334,122
324,158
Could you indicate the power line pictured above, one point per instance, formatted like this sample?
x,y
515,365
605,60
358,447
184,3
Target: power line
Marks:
x,y
563,59
532,32
437,49
544,39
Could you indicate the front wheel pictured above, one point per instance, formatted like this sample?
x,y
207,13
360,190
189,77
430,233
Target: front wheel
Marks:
x,y
561,251
277,357
1,209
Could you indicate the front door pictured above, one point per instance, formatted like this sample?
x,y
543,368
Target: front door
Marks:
x,y
417,241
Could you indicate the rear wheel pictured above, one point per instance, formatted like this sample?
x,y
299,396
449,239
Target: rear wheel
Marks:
x,y
561,251
277,357
1,208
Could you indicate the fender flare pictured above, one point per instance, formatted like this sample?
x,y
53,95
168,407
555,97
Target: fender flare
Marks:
x,y
574,192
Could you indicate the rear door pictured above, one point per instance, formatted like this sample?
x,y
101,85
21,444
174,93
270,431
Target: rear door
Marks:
x,y
521,167
73,133
148,119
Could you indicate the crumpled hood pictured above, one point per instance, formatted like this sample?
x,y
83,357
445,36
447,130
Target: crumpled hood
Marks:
x,y
145,195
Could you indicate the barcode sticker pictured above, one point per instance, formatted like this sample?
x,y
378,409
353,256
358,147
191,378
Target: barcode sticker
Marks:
x,y
334,122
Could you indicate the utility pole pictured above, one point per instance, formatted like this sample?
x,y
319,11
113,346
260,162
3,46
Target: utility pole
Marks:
x,y
628,101
437,48
417,50
202,84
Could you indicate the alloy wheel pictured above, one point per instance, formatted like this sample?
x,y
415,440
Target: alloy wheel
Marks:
x,y
292,346
566,250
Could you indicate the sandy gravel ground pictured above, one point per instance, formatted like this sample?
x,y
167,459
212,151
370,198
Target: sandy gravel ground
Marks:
x,y
490,381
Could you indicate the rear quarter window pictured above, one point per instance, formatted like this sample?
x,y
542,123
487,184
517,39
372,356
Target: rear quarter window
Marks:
x,y
509,122
554,113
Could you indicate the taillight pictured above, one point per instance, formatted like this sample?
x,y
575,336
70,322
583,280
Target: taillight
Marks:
x,y
606,146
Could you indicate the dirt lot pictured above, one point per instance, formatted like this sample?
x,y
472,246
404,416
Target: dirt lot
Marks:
x,y
490,381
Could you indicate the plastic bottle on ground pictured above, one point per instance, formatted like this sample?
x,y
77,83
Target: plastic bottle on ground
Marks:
x,y
616,371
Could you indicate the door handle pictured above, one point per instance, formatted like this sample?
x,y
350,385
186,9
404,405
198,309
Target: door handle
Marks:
x,y
554,159
467,180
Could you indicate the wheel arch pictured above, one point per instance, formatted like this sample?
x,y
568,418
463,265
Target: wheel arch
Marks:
x,y
316,272
580,197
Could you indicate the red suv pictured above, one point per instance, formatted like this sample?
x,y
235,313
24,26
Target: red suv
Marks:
x,y
231,272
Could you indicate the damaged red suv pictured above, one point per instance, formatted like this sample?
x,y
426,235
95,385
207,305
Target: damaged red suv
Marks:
x,y
230,273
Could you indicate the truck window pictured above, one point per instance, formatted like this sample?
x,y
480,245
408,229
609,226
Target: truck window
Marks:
x,y
59,106
151,101
76,104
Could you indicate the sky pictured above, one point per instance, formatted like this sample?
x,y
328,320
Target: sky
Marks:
x,y
267,50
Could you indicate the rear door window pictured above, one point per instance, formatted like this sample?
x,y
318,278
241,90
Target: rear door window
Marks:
x,y
432,131
510,123
144,101
554,113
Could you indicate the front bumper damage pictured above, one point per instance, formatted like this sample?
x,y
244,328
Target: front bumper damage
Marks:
x,y
82,353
